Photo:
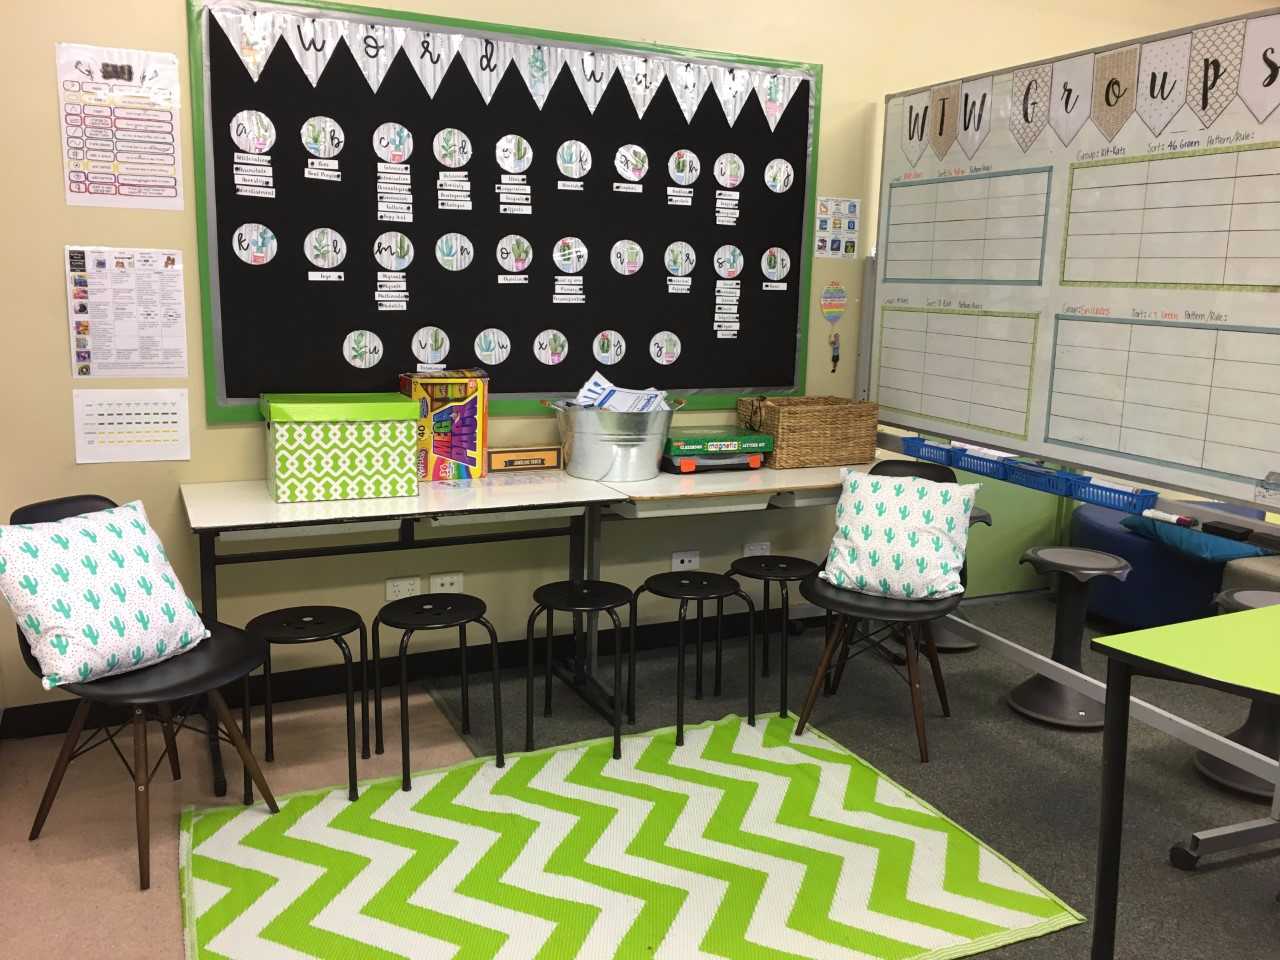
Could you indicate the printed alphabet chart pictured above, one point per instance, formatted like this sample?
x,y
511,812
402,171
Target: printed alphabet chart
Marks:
x,y
1080,258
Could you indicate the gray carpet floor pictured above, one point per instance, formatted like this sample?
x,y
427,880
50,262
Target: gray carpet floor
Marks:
x,y
1028,790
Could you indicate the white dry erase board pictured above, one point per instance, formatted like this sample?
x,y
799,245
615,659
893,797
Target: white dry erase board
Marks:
x,y
1080,258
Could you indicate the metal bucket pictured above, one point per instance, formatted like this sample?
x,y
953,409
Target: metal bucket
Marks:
x,y
605,445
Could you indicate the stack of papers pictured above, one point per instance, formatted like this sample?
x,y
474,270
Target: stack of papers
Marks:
x,y
599,392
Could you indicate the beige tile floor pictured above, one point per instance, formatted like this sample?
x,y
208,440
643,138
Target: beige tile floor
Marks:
x,y
74,893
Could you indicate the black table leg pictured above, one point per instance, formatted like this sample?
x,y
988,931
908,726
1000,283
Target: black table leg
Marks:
x,y
1115,745
209,604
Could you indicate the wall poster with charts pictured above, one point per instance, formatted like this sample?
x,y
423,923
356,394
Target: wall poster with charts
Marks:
x,y
386,190
1080,258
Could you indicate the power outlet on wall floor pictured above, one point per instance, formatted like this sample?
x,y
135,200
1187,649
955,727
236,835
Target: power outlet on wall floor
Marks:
x,y
400,587
445,583
685,560
758,549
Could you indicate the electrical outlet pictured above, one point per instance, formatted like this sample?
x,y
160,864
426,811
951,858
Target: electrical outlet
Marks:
x,y
400,587
445,583
758,549
685,560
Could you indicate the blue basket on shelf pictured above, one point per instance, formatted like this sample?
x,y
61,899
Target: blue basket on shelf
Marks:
x,y
964,459
1130,501
922,449
1045,479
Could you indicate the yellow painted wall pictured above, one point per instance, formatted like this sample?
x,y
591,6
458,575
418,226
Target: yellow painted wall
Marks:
x,y
868,49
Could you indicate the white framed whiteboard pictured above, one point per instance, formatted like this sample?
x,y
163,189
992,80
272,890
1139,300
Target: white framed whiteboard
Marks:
x,y
1080,259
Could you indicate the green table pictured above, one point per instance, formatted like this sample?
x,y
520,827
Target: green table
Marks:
x,y
1236,652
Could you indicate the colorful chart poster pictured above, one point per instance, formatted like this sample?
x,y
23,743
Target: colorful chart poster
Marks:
x,y
835,233
127,312
121,143
131,426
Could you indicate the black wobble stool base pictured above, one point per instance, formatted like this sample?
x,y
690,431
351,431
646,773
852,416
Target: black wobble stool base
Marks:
x,y
1040,697
769,569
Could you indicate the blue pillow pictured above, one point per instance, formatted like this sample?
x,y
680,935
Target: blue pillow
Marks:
x,y
1195,544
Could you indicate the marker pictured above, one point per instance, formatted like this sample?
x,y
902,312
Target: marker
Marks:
x,y
1170,518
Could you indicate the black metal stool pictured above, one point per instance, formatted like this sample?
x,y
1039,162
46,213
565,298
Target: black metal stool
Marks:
x,y
770,569
1261,729
578,598
312,625
433,611
909,618
701,587
1040,697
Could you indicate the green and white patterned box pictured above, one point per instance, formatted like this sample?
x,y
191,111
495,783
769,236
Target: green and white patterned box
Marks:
x,y
340,446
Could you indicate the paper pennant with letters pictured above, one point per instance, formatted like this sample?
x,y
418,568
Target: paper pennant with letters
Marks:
x,y
487,60
430,53
975,114
915,125
1215,69
643,76
774,91
374,46
1115,77
732,86
1029,103
1260,70
312,40
252,34
1071,95
689,82
592,70
944,109
540,65
1162,81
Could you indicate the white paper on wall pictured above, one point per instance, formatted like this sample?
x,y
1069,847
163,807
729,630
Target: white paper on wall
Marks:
x,y
312,41
643,76
1259,81
976,109
374,46
431,54
592,71
1071,96
1162,81
487,60
131,426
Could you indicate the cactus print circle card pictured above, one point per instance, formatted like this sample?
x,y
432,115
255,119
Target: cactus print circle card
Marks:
x,y
775,263
252,131
323,137
452,148
393,251
325,247
255,244
514,253
608,347
392,143
362,349
729,261
570,255
550,347
680,259
492,346
573,159
514,153
729,170
631,162
684,167
454,252
779,175
665,348
627,257
431,345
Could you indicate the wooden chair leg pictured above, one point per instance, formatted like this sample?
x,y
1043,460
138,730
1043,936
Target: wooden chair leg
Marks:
x,y
268,721
842,654
931,650
170,741
834,637
223,712
69,743
913,680
141,798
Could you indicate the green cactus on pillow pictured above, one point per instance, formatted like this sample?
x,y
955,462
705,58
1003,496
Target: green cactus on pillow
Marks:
x,y
873,558
61,572
144,621
89,564
30,549
61,606
116,558
113,661
118,592
908,590
29,584
117,626
85,672
60,540
60,643
32,623
116,530
897,561
90,634
169,612
145,585
135,655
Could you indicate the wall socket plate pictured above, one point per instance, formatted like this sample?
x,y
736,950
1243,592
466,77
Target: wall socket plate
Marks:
x,y
760,548
445,583
685,560
400,587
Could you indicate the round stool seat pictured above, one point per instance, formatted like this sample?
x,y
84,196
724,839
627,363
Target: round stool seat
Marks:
x,y
582,596
1082,564
866,606
694,585
773,567
303,624
1233,601
430,611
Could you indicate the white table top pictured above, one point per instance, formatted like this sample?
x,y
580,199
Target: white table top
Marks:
x,y
731,483
241,504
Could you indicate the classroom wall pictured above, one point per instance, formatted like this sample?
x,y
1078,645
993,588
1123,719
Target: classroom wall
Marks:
x,y
868,49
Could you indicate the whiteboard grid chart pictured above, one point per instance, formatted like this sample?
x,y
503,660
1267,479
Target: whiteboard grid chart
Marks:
x,y
1203,219
986,228
1191,395
963,366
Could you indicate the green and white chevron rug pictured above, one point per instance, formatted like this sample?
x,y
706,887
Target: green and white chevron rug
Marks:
x,y
747,842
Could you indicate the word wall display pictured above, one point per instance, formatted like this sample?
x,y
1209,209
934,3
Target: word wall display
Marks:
x,y
1080,259
387,193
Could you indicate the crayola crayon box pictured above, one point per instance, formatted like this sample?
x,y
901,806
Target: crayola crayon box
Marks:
x,y
453,425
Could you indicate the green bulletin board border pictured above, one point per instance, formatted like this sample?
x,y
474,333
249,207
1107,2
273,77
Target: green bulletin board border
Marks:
x,y
220,413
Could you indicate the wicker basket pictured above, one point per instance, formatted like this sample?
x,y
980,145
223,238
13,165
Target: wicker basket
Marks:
x,y
813,431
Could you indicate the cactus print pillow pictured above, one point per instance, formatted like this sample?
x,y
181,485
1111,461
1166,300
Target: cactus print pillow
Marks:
x,y
95,595
900,537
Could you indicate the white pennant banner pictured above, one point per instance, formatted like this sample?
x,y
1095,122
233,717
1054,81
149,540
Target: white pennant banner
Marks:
x,y
252,34
312,40
430,54
774,91
592,70
689,82
374,46
540,65
732,86
643,76
487,60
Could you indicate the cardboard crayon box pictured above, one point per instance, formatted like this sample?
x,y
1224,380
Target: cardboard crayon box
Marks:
x,y
453,425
